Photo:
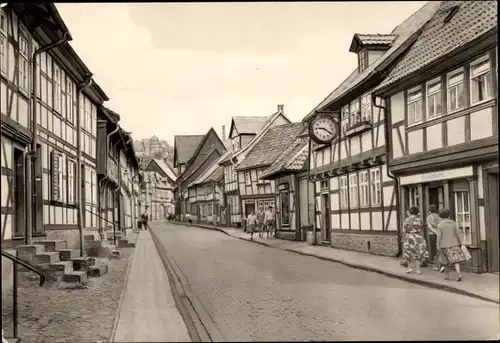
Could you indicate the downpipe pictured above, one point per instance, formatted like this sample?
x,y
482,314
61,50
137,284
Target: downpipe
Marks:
x,y
309,147
389,173
31,155
80,87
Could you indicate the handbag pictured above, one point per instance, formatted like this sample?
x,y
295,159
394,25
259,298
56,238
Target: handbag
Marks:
x,y
465,252
441,259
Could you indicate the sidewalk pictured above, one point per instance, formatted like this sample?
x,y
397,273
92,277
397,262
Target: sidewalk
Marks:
x,y
148,312
483,286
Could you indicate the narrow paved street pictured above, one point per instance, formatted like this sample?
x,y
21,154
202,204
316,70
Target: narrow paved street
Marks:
x,y
257,293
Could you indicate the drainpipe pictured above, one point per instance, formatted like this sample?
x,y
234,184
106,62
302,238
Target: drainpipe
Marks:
x,y
31,155
80,213
389,173
315,239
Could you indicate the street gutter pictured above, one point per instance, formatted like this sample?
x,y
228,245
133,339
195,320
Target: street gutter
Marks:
x,y
402,277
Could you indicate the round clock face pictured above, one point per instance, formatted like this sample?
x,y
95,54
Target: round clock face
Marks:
x,y
323,129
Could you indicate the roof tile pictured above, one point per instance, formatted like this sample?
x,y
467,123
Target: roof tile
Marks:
x,y
186,146
292,159
249,125
438,38
272,144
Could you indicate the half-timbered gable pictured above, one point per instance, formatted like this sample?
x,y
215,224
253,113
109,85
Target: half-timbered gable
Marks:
x,y
442,116
206,153
163,197
254,191
289,207
355,197
65,105
231,188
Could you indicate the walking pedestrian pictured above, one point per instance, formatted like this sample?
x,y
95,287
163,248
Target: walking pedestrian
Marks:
x,y
414,245
188,219
145,218
433,220
269,218
450,243
260,221
251,221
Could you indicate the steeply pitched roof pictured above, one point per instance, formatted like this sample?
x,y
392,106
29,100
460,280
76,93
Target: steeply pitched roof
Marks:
x,y
273,143
185,146
213,174
293,159
248,125
165,168
406,32
439,38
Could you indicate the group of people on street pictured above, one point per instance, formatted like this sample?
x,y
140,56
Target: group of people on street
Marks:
x,y
443,233
261,221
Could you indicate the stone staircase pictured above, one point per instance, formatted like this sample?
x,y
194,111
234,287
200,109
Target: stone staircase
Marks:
x,y
53,257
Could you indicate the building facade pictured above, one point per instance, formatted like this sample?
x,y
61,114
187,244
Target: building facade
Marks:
x,y
158,190
356,197
442,113
65,130
244,134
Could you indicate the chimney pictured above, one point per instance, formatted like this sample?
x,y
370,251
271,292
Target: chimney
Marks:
x,y
223,132
280,108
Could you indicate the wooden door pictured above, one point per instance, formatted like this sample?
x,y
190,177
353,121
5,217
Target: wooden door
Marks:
x,y
493,229
325,217
19,193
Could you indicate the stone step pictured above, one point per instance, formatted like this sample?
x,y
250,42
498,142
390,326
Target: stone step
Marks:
x,y
68,254
97,271
52,245
79,276
30,249
61,266
46,257
83,263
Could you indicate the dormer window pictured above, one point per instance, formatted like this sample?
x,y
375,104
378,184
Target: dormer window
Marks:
x,y
362,60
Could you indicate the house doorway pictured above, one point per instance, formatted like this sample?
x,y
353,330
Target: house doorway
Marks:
x,y
493,230
325,215
19,193
435,197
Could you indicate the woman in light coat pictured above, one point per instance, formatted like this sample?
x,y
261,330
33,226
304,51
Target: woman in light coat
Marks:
x,y
449,243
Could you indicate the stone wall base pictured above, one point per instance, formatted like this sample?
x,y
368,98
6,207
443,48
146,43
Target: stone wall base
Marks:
x,y
286,235
310,237
386,245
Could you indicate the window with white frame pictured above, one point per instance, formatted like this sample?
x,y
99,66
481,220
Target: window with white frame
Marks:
x,y
455,88
366,107
210,209
3,42
480,80
462,214
433,94
343,189
23,60
414,105
57,88
248,179
71,182
70,100
353,190
375,187
345,118
362,60
363,189
354,112
413,197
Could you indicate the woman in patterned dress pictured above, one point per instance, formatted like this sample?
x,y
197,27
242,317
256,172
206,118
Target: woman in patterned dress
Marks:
x,y
449,243
414,244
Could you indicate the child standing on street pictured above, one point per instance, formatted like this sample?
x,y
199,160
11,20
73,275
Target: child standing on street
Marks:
x,y
251,221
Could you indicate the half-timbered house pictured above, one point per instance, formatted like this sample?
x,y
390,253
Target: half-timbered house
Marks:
x,y
160,183
206,198
208,151
255,192
62,148
285,171
441,108
244,133
355,195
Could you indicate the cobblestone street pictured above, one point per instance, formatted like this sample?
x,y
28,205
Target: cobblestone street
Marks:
x,y
49,314
257,293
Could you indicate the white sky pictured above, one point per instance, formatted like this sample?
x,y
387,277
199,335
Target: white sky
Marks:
x,y
180,68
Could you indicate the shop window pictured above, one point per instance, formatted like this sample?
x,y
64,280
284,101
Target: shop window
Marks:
x,y
462,215
285,207
413,197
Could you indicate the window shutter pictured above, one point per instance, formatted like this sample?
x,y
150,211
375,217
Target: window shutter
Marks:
x,y
56,181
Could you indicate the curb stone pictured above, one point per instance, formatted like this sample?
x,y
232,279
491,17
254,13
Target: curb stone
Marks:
x,y
199,324
421,282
